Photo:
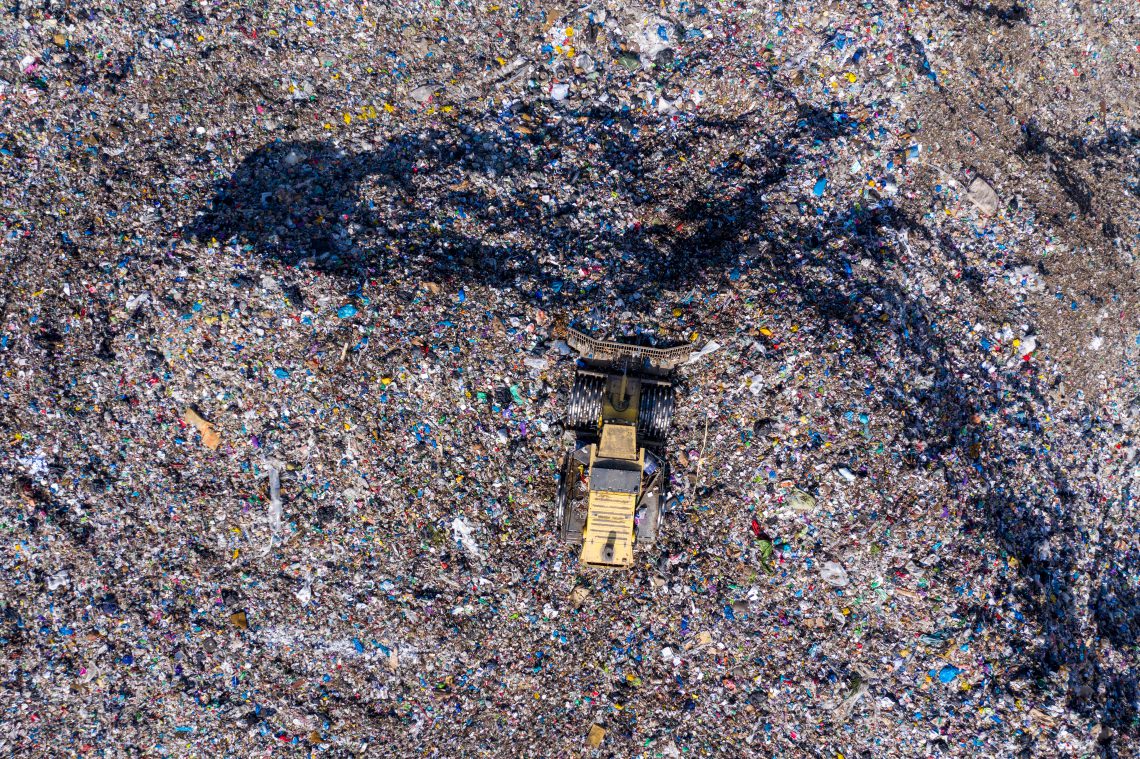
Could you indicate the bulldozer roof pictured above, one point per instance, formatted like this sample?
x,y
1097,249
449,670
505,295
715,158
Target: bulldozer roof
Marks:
x,y
615,480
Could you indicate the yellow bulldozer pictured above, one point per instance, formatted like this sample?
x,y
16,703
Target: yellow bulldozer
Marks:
x,y
614,482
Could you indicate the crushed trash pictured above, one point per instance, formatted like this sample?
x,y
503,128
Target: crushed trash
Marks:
x,y
289,296
211,438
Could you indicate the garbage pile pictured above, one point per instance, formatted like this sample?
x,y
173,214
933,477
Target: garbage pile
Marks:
x,y
285,377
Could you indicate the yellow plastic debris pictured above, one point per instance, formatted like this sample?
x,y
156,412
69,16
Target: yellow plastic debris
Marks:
x,y
211,438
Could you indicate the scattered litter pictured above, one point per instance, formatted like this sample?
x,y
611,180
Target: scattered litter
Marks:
x,y
211,438
834,574
801,501
329,256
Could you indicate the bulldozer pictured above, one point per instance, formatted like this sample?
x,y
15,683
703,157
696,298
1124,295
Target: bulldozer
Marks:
x,y
613,484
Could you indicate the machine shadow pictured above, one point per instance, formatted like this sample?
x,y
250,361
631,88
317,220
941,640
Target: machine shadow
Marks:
x,y
466,204
470,205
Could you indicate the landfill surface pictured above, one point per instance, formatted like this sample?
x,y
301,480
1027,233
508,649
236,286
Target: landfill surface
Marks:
x,y
284,295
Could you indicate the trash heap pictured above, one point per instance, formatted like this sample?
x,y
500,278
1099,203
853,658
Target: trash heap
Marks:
x,y
285,379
